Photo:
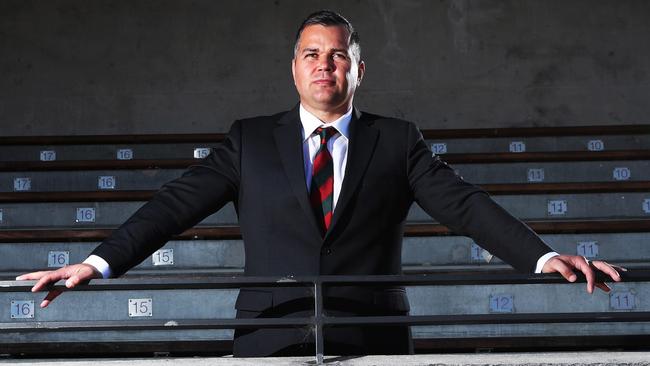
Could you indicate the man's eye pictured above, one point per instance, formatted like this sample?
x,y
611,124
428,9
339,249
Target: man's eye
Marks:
x,y
341,56
311,55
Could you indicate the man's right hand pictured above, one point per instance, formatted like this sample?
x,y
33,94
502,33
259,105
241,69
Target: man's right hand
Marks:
x,y
74,275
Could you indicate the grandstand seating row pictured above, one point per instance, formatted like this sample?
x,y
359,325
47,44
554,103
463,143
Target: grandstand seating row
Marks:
x,y
494,173
419,254
527,207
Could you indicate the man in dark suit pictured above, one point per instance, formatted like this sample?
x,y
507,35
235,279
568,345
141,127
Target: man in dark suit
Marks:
x,y
322,189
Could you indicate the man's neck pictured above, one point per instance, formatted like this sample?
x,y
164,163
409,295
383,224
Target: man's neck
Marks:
x,y
328,116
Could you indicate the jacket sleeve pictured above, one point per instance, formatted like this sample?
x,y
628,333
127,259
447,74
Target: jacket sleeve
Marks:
x,y
468,210
179,205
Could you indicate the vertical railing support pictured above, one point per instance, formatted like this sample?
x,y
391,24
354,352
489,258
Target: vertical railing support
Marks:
x,y
318,321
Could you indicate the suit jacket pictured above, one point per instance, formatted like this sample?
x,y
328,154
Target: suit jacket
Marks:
x,y
259,166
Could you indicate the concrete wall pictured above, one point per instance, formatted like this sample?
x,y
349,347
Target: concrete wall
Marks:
x,y
120,67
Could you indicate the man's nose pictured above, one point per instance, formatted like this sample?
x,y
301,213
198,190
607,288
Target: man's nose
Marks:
x,y
325,63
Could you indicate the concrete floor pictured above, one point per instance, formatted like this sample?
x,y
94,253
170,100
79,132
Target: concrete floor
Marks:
x,y
560,358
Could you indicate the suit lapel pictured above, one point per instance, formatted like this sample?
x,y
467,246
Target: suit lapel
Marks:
x,y
288,140
363,139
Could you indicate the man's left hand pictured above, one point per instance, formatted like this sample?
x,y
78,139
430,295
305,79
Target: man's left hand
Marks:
x,y
565,264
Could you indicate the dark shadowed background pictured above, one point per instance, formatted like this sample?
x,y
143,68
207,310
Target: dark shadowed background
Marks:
x,y
128,67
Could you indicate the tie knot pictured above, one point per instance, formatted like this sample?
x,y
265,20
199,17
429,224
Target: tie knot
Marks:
x,y
325,133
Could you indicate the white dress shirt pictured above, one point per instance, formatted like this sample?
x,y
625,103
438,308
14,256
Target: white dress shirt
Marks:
x,y
338,148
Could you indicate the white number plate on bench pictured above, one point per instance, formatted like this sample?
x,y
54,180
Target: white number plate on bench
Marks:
x,y
622,300
588,249
106,182
439,148
140,307
480,254
124,154
517,147
621,173
22,184
22,309
535,175
48,155
596,145
557,207
502,303
85,214
201,152
163,257
58,259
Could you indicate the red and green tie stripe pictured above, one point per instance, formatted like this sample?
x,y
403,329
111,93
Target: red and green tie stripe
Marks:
x,y
322,181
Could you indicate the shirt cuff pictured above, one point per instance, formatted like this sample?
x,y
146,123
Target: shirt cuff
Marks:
x,y
100,265
542,261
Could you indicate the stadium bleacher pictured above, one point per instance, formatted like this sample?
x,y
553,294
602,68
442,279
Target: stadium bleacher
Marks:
x,y
586,190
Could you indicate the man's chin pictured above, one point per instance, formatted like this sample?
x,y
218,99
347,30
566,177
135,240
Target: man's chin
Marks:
x,y
330,105
328,99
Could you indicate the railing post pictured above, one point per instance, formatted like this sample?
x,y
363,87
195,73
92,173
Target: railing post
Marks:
x,y
318,321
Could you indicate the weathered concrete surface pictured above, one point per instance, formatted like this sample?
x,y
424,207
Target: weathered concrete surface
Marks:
x,y
537,359
121,67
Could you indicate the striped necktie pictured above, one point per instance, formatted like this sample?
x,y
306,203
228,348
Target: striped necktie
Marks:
x,y
322,181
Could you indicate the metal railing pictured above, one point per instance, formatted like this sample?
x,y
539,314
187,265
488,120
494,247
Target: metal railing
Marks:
x,y
318,321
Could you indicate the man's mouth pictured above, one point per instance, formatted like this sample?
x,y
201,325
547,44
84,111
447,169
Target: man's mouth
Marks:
x,y
324,81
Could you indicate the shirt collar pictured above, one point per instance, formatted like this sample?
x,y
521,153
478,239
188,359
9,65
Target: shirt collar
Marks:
x,y
310,123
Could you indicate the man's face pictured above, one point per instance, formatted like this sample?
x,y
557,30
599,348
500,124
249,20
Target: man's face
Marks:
x,y
325,72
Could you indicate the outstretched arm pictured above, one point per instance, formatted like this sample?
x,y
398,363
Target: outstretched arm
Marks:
x,y
180,204
468,210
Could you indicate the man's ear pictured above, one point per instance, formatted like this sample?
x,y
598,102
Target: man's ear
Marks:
x,y
293,69
361,72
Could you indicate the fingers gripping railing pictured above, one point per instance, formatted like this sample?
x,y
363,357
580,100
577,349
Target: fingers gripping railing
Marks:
x,y
318,321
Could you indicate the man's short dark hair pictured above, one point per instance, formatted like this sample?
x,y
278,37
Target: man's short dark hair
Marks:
x,y
331,18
